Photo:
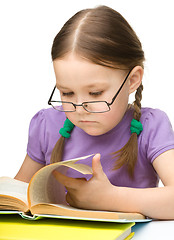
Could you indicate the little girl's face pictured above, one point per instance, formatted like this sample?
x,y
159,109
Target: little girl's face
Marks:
x,y
79,80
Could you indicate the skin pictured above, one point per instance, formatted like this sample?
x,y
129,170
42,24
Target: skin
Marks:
x,y
73,76
79,80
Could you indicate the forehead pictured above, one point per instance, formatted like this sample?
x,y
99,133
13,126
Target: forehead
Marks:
x,y
75,69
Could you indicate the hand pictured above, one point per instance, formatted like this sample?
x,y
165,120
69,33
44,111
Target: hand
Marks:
x,y
93,194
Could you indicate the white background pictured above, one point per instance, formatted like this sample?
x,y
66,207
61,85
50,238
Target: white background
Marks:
x,y
27,30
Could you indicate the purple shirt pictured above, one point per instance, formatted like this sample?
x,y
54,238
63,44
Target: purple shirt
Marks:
x,y
157,137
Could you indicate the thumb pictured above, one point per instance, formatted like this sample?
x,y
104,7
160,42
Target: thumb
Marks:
x,y
96,166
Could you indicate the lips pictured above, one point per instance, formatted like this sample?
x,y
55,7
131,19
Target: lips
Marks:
x,y
86,121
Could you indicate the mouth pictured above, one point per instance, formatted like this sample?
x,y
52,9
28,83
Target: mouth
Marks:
x,y
85,121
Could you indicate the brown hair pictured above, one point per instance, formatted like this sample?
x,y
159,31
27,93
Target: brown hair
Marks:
x,y
102,36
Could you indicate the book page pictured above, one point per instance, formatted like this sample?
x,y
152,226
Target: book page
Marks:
x,y
69,211
14,188
44,188
82,168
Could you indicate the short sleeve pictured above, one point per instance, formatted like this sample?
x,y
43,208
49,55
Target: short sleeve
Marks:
x,y
158,134
36,138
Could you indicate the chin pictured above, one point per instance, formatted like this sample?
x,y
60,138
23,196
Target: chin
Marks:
x,y
94,132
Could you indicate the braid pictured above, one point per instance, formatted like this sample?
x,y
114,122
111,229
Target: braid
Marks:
x,y
129,153
57,153
65,132
137,103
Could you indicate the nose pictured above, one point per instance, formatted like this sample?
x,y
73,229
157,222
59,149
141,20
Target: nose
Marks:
x,y
80,109
78,104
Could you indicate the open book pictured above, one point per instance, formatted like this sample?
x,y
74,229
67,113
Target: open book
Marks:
x,y
44,196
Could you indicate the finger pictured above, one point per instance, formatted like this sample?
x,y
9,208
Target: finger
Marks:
x,y
96,166
69,200
83,179
68,182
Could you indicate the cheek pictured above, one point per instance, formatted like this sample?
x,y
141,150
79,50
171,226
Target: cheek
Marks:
x,y
72,117
118,109
121,103
69,116
111,119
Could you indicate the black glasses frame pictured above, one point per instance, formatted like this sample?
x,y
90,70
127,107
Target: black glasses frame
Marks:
x,y
85,103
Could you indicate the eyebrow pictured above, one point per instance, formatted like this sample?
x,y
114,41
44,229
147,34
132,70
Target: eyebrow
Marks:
x,y
59,86
101,84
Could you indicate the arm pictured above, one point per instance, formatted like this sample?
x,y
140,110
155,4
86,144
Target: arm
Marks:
x,y
153,202
99,194
28,169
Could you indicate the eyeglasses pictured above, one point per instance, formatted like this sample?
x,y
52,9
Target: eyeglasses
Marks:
x,y
92,106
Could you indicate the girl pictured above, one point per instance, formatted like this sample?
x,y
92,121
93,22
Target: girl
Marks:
x,y
98,62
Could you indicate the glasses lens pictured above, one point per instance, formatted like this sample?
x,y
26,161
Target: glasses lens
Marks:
x,y
96,107
63,106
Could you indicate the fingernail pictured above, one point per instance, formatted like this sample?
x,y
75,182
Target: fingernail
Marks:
x,y
98,154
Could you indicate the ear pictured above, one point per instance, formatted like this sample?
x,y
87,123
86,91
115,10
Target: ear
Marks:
x,y
135,78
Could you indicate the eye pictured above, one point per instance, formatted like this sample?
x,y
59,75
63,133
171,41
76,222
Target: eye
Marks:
x,y
67,93
96,93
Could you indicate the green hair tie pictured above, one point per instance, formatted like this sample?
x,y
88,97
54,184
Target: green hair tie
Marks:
x,y
136,127
67,128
